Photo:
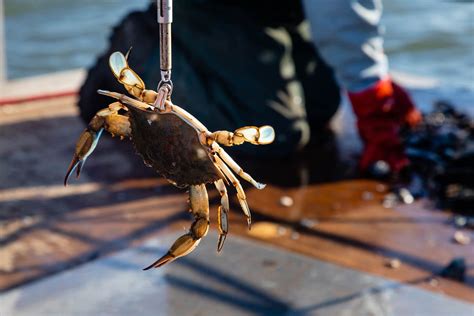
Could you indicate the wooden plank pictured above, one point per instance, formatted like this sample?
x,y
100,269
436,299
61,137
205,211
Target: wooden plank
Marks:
x,y
117,202
361,234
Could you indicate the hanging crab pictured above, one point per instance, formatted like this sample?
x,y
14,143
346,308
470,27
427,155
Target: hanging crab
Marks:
x,y
176,145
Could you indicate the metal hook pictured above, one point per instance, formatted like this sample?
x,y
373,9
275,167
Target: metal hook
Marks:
x,y
164,93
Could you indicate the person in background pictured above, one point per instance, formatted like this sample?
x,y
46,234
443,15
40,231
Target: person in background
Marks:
x,y
349,37
246,62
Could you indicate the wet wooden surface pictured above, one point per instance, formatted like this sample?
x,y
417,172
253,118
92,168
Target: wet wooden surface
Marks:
x,y
335,222
46,228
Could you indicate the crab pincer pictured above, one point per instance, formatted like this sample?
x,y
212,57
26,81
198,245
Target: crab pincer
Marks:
x,y
84,147
108,119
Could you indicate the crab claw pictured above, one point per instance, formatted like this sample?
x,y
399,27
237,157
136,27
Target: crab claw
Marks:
x,y
84,147
263,135
76,164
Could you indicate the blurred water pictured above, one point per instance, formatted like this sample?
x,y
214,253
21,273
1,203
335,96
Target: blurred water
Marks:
x,y
50,35
432,38
427,37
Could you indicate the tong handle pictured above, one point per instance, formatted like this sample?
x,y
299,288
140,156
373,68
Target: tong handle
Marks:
x,y
165,18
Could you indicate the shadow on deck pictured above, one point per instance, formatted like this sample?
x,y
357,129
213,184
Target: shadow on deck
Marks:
x,y
118,202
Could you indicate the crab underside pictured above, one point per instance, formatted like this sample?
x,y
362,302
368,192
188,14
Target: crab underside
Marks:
x,y
176,145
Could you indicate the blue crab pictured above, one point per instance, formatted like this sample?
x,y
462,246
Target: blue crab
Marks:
x,y
176,145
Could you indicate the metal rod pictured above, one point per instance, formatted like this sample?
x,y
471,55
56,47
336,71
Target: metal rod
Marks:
x,y
165,18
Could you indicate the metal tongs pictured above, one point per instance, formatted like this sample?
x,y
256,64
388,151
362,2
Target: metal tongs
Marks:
x,y
165,18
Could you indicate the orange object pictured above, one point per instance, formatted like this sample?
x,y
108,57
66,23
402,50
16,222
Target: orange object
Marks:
x,y
381,110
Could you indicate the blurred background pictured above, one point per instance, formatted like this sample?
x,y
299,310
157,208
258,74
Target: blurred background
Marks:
x,y
324,241
433,38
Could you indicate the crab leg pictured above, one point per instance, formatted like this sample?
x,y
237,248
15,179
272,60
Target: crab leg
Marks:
x,y
107,119
252,134
188,117
222,214
236,183
199,203
132,82
235,167
126,99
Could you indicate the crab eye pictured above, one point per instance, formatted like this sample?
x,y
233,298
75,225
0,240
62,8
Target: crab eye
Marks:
x,y
267,135
117,63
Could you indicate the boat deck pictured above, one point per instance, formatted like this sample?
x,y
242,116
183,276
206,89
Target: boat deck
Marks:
x,y
119,203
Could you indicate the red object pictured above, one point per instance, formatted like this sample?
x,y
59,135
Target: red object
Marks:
x,y
38,97
381,110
